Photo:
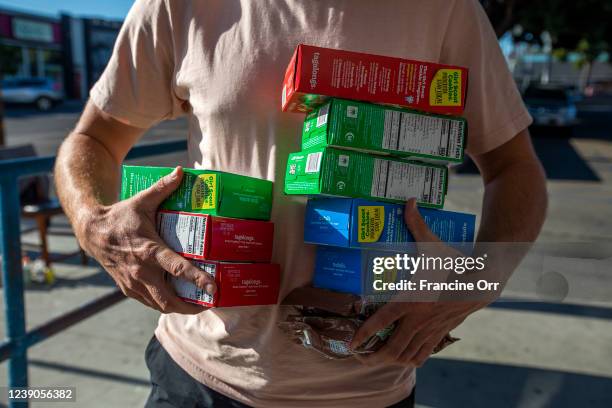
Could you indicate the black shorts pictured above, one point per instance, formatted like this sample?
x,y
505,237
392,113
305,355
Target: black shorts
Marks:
x,y
172,387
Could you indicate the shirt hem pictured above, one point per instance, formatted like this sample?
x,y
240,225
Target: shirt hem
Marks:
x,y
208,380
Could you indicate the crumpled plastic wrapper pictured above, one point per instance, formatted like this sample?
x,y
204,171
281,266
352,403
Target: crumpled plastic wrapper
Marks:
x,y
331,336
327,322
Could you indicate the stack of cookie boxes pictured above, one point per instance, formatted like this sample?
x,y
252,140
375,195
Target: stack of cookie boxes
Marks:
x,y
219,221
358,144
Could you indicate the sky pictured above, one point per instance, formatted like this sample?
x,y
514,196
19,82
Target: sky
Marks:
x,y
112,9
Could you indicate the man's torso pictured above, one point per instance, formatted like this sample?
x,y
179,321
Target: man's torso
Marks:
x,y
230,58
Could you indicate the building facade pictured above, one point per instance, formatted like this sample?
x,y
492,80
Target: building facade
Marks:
x,y
72,51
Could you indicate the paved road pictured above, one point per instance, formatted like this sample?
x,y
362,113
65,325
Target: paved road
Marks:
x,y
47,130
530,356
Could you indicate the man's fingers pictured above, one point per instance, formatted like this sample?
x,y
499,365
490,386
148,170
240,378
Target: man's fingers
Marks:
x,y
168,302
145,301
416,224
419,341
393,348
383,317
180,267
137,291
157,294
153,196
422,354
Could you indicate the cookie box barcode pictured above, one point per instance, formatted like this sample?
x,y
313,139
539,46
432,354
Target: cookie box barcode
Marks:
x,y
202,236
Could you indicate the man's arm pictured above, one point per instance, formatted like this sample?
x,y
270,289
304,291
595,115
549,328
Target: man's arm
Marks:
x,y
514,207
120,235
87,172
515,198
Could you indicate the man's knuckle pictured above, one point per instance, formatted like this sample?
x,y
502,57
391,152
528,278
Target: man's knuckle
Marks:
x,y
149,250
202,279
103,234
179,268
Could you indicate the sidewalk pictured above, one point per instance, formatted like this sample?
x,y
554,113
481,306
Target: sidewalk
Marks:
x,y
102,356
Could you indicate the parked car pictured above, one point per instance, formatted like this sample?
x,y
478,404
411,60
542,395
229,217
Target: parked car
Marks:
x,y
552,106
43,93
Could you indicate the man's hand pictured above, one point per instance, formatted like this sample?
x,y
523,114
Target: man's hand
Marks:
x,y
122,237
420,328
514,207
420,325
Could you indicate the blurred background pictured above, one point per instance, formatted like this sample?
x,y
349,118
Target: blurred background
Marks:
x,y
541,354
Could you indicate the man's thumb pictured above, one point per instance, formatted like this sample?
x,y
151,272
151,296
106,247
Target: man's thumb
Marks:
x,y
416,224
158,192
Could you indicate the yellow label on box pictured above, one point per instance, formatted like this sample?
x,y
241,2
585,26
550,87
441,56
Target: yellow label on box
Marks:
x,y
371,220
445,88
203,192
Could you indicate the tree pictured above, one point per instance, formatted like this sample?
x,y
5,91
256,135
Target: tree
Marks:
x,y
502,13
579,26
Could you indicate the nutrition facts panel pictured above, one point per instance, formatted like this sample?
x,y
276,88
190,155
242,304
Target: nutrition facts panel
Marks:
x,y
432,135
183,233
402,181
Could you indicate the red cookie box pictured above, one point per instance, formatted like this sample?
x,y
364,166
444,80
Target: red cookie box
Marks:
x,y
238,284
203,236
316,73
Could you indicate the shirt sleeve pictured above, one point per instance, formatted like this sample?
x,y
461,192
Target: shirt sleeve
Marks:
x,y
137,85
494,108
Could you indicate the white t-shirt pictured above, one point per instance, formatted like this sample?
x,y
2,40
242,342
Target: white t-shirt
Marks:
x,y
221,62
